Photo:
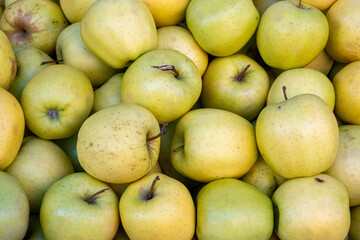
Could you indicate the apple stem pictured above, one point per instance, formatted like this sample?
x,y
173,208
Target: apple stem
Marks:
x,y
162,132
242,74
167,68
52,61
152,188
300,4
92,197
284,92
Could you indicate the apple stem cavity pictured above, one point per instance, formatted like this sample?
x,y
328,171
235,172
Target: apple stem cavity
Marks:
x,y
53,61
284,92
240,76
162,132
53,113
319,180
152,188
92,197
167,68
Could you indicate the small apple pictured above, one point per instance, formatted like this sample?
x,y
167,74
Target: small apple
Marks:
x,y
7,62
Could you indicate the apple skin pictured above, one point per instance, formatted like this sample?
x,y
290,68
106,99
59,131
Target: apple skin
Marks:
x,y
64,206
170,214
7,62
74,10
33,22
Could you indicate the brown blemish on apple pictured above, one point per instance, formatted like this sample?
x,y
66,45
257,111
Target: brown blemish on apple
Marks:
x,y
168,68
13,70
284,92
319,180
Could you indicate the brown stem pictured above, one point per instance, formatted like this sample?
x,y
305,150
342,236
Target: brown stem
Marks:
x,y
300,4
92,197
167,68
52,61
284,92
242,74
162,132
151,192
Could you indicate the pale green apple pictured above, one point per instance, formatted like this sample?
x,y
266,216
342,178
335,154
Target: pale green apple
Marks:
x,y
118,144
312,208
56,101
291,34
237,84
118,31
354,232
347,98
343,44
71,49
29,62
80,207
346,166
74,10
233,209
209,144
298,137
322,63
38,165
33,22
34,231
162,211
222,28
7,62
302,81
164,81
14,208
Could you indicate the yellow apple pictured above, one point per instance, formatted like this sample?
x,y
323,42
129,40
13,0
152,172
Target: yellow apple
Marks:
x,y
322,63
8,65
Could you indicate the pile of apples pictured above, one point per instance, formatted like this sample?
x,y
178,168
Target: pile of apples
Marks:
x,y
179,119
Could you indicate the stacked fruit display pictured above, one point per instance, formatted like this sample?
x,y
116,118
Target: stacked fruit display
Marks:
x,y
180,119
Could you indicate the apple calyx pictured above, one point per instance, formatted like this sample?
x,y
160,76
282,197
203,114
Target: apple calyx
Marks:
x,y
53,113
239,77
284,92
53,61
91,199
319,180
162,132
152,188
167,68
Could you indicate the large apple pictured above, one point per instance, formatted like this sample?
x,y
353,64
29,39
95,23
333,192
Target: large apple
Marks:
x,y
118,31
157,207
79,207
222,28
164,81
291,34
7,62
33,22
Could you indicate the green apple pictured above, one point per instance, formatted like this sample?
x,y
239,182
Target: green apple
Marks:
x,y
12,124
347,86
354,232
119,144
181,39
237,84
298,137
118,31
343,44
346,166
209,144
157,207
79,207
38,165
69,147
29,61
71,49
34,231
7,62
14,208
312,208
222,28
322,63
233,209
33,22
302,81
56,101
158,80
74,10
109,93
291,27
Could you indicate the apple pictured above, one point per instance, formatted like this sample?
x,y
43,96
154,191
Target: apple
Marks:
x,y
7,62
71,49
56,101
209,144
235,83
118,31
320,4
157,207
291,27
312,208
322,63
222,28
233,209
119,144
354,232
38,165
14,208
298,137
86,207
347,86
158,80
12,124
74,10
69,147
262,5
33,22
